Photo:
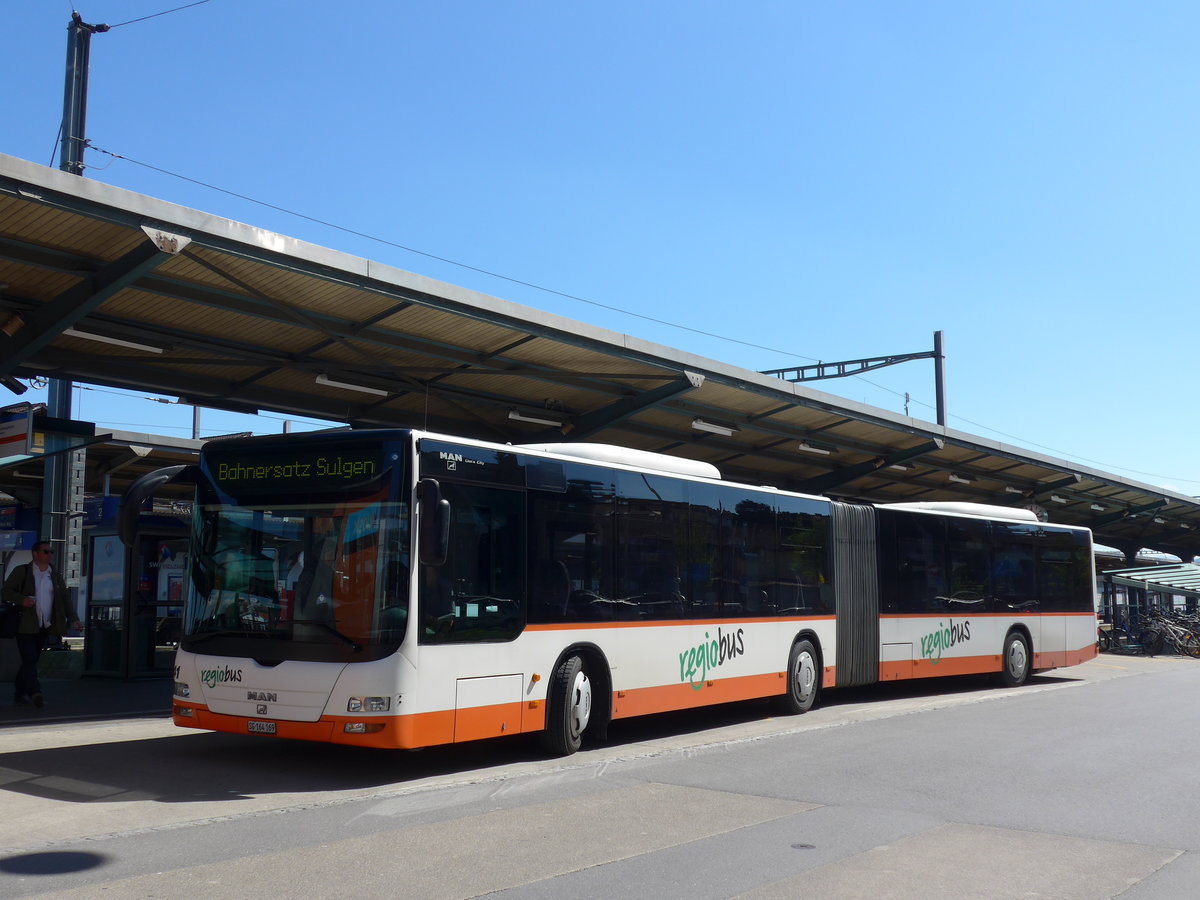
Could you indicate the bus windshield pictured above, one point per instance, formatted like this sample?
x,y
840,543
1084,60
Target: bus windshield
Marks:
x,y
289,575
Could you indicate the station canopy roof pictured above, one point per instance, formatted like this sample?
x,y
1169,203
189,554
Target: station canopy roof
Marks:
x,y
1178,579
106,287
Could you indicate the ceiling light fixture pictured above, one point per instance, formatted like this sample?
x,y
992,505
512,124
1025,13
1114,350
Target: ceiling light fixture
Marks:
x,y
813,448
958,479
1159,521
899,468
1054,498
518,416
329,382
1009,489
116,342
1096,507
714,427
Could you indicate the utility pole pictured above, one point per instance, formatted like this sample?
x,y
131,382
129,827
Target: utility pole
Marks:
x,y
62,481
74,121
939,377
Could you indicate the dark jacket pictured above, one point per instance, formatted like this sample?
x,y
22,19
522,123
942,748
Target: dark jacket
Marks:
x,y
19,585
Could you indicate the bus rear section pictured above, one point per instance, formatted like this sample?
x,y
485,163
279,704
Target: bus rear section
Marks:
x,y
969,588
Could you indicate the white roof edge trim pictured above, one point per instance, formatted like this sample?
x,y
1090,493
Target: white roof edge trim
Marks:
x,y
641,459
980,510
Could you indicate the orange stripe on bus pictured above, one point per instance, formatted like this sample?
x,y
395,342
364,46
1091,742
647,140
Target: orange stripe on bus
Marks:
x,y
397,732
984,615
675,623
1056,659
895,670
667,697
478,722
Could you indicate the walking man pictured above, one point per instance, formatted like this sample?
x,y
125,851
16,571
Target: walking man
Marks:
x,y
45,610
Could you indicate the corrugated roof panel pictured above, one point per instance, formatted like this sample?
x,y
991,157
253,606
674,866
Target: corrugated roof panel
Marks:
x,y
568,356
58,229
34,283
439,325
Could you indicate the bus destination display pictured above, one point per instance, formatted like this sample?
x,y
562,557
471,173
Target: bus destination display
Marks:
x,y
295,469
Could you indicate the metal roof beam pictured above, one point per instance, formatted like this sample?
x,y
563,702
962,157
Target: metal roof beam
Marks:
x,y
845,475
592,423
131,454
48,258
1059,483
1109,518
25,334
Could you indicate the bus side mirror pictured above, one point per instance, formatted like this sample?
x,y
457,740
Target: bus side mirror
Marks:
x,y
143,489
433,539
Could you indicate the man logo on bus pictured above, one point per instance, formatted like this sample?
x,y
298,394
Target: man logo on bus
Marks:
x,y
943,639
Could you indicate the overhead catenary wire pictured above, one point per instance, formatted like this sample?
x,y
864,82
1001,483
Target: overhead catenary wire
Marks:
x,y
165,12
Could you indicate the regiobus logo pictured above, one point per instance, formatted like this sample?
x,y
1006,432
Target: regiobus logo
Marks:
x,y
696,662
213,677
937,642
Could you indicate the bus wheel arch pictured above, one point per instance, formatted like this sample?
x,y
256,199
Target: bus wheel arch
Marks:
x,y
1016,660
578,700
805,673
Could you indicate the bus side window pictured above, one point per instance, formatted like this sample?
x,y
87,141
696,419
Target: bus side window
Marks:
x,y
803,557
969,551
1014,582
920,576
478,593
1063,572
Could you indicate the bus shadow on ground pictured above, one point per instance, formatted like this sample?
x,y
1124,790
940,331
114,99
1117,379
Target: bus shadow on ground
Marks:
x,y
206,767
695,721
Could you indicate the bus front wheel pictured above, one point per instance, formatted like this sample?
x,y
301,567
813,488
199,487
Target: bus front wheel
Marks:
x,y
803,678
569,698
1014,668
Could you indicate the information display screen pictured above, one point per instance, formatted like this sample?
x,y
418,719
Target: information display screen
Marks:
x,y
295,469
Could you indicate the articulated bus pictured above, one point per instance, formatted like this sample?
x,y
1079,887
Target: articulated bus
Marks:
x,y
402,589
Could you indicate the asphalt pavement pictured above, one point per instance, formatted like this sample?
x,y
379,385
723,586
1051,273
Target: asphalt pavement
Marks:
x,y
940,789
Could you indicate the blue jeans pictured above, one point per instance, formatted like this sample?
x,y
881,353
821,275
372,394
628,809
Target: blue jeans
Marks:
x,y
29,646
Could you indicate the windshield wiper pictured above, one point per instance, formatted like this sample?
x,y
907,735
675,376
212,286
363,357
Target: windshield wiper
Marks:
x,y
196,638
355,645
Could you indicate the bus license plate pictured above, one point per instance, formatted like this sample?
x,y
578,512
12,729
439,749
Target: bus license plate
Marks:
x,y
260,727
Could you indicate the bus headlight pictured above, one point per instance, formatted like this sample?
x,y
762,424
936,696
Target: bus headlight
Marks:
x,y
182,690
368,704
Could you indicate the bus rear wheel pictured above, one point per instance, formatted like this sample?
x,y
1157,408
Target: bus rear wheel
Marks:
x,y
569,698
1015,665
803,679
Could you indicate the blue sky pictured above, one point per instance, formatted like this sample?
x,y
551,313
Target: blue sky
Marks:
x,y
762,183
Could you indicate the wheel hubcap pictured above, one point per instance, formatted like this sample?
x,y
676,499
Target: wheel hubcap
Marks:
x,y
1017,659
581,703
805,676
